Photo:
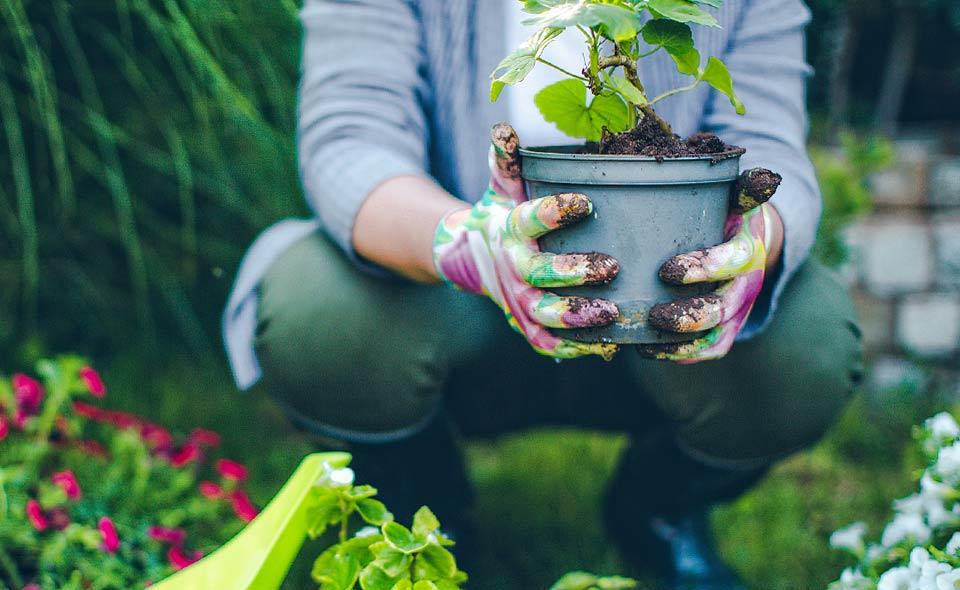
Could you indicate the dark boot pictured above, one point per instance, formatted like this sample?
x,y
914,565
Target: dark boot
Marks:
x,y
656,512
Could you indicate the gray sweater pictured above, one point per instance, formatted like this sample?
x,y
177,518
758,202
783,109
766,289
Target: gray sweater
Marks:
x,y
399,87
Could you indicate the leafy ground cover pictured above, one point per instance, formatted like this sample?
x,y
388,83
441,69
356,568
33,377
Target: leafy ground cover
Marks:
x,y
538,501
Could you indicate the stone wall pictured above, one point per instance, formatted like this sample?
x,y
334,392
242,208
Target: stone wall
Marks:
x,y
905,261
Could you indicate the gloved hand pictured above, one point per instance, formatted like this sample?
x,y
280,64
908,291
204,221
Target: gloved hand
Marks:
x,y
491,249
740,261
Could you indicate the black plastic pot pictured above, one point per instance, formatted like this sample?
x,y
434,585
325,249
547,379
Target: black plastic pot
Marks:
x,y
645,211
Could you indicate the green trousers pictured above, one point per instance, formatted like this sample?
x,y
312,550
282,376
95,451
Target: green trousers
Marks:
x,y
369,359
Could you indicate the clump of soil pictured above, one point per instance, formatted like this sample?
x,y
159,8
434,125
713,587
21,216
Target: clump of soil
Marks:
x,y
649,139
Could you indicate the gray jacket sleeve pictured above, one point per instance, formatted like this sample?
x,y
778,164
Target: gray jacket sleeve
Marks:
x,y
766,59
361,119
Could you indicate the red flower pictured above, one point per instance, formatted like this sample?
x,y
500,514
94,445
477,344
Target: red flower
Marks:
x,y
242,506
68,482
121,419
111,542
59,518
179,559
20,418
232,470
187,454
4,425
88,411
205,438
92,447
93,382
167,535
36,516
157,438
28,392
210,490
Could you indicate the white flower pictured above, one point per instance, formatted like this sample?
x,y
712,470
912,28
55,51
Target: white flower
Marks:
x,y
905,526
852,579
943,427
953,544
849,538
928,504
898,578
948,463
367,531
949,580
338,478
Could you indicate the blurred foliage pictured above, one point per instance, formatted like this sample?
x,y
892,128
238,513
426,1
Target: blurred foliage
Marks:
x,y
843,175
149,141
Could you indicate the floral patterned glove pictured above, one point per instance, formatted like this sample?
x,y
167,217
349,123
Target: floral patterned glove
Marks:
x,y
491,249
741,262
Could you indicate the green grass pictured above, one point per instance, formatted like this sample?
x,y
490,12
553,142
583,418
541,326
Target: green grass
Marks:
x,y
538,492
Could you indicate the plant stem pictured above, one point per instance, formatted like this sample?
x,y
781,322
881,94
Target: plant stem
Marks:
x,y
561,70
670,93
630,71
343,520
8,564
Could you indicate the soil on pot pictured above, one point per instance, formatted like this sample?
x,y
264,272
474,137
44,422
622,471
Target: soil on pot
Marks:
x,y
649,139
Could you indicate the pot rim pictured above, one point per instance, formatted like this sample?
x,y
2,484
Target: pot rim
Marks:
x,y
568,152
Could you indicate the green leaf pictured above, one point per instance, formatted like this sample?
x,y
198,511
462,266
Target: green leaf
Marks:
x,y
392,561
334,570
616,583
404,584
325,511
435,563
625,89
673,36
424,522
575,581
717,75
682,11
401,538
515,67
374,578
565,105
360,492
425,585
617,22
373,511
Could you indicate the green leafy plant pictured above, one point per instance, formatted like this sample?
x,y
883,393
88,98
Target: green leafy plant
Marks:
x,y
588,581
389,557
618,34
98,498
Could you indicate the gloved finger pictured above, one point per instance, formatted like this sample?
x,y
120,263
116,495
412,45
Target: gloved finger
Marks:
x,y
535,218
754,188
713,345
719,263
554,311
569,349
745,251
696,314
504,161
547,270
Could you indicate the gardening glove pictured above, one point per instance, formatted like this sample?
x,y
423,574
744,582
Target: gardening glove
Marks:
x,y
740,262
491,249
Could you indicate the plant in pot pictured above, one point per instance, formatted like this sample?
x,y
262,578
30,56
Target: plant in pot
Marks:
x,y
655,195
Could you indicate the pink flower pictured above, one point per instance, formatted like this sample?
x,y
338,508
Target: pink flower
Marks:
x,y
111,542
28,392
68,483
210,490
92,447
20,418
31,587
167,535
205,438
179,559
232,470
187,454
93,382
242,506
4,425
36,516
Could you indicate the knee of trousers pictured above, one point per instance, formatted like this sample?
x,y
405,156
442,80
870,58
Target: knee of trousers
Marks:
x,y
789,388
355,357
